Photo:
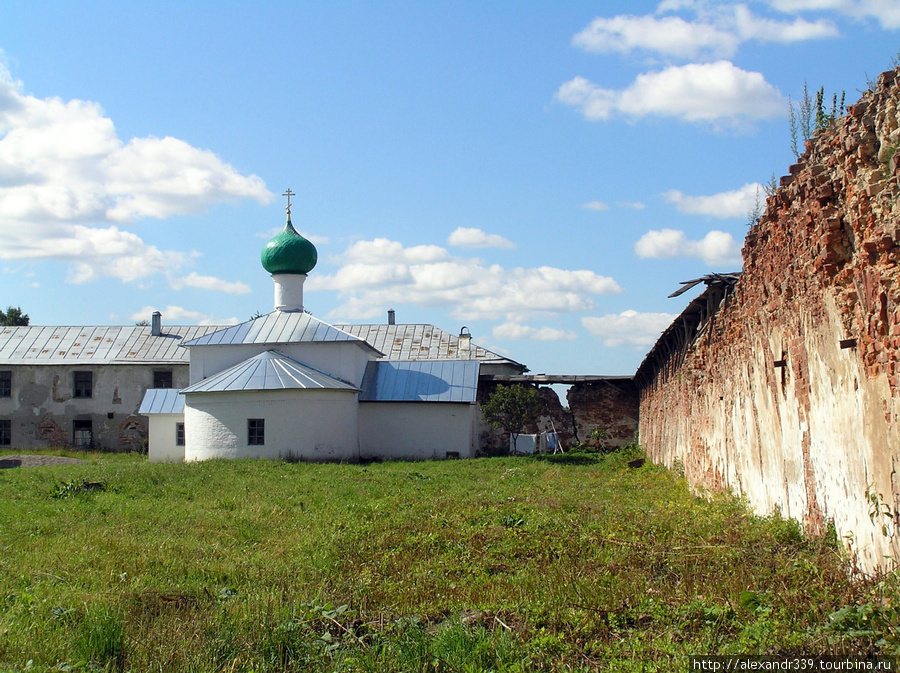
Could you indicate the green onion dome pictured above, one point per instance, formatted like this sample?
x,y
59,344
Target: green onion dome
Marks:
x,y
289,252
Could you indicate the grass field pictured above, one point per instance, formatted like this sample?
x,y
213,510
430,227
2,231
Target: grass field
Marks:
x,y
505,564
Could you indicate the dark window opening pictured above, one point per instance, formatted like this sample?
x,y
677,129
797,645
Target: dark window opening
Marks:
x,y
162,379
84,384
179,434
256,431
82,434
5,384
5,433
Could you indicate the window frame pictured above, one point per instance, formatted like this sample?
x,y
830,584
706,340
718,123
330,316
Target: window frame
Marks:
x,y
79,389
256,432
163,376
85,425
179,434
5,432
6,383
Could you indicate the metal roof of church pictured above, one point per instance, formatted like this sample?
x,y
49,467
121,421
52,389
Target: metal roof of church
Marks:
x,y
420,342
277,328
270,370
97,345
420,381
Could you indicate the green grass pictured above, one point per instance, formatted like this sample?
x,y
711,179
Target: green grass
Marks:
x,y
509,564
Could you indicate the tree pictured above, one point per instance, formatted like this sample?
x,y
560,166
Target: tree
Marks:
x,y
511,408
13,317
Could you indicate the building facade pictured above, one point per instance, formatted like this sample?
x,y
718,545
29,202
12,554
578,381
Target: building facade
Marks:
x,y
288,385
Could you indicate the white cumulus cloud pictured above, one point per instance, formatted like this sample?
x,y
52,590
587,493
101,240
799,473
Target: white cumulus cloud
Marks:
x,y
717,247
716,31
210,283
380,273
68,184
670,35
886,12
516,331
595,205
628,328
714,93
176,315
734,203
468,237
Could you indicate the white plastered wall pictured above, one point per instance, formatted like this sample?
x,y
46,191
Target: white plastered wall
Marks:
x,y
316,425
343,360
162,447
416,430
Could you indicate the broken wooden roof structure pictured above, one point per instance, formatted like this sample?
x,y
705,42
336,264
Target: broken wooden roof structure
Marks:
x,y
694,321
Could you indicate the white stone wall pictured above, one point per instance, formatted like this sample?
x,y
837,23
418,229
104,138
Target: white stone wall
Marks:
x,y
417,430
313,425
163,448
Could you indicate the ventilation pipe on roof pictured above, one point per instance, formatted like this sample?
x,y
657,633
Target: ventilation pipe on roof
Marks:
x,y
391,317
156,324
465,341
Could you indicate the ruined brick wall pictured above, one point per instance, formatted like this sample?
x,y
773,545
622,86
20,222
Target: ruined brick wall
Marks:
x,y
790,393
609,405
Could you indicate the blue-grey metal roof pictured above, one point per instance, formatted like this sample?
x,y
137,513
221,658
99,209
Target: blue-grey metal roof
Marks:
x,y
420,381
162,401
278,328
97,345
270,370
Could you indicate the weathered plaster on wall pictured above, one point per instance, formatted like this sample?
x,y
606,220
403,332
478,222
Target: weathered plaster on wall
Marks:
x,y
772,397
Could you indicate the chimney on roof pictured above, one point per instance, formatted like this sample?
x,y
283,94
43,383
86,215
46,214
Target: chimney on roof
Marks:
x,y
465,341
156,324
391,317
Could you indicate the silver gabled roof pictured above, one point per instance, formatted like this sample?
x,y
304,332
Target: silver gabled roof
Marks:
x,y
278,328
420,381
270,370
97,345
162,401
422,342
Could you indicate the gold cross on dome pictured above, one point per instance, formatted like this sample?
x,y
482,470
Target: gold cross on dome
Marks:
x,y
289,194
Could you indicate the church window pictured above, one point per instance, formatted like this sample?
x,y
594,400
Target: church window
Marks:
x,y
256,431
179,434
82,434
5,432
162,379
83,384
5,384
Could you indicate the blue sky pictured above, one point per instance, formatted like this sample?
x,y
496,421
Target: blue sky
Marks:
x,y
543,173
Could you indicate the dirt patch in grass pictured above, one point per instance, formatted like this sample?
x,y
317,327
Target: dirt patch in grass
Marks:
x,y
26,460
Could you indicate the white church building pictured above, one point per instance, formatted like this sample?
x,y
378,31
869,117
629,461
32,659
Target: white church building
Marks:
x,y
288,385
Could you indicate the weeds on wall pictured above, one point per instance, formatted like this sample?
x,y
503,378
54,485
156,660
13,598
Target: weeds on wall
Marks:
x,y
810,114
